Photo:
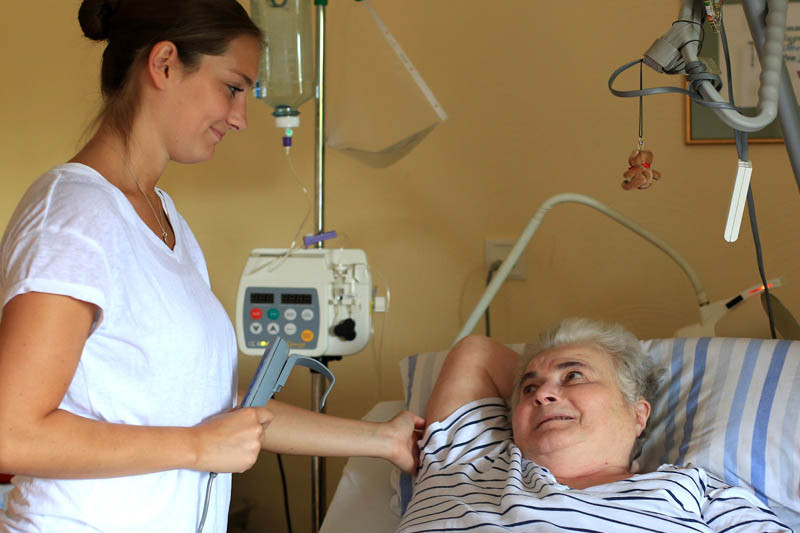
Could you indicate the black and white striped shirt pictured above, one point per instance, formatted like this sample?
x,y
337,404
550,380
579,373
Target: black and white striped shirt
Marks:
x,y
473,478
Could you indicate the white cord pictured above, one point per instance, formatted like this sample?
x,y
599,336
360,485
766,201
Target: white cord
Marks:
x,y
384,326
276,262
346,242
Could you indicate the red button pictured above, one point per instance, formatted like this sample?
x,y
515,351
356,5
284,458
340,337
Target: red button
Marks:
x,y
256,313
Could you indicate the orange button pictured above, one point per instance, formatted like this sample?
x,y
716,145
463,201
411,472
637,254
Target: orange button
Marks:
x,y
307,335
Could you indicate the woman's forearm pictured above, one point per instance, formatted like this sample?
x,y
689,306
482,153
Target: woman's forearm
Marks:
x,y
66,446
476,367
298,431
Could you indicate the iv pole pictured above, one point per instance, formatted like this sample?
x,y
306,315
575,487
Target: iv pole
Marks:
x,y
317,388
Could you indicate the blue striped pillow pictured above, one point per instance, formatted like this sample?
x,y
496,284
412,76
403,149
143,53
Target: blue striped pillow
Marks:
x,y
731,406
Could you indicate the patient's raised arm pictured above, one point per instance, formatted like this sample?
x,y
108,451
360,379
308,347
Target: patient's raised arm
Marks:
x,y
476,367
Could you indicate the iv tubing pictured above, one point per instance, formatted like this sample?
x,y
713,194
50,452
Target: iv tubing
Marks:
x,y
533,225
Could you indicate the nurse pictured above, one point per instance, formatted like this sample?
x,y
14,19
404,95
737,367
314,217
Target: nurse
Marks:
x,y
117,362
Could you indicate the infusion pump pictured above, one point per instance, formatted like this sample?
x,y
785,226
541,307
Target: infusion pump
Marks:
x,y
320,301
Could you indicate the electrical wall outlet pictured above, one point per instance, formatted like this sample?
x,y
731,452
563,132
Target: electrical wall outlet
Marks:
x,y
497,250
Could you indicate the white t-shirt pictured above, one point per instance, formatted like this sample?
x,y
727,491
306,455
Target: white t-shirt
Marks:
x,y
162,352
473,477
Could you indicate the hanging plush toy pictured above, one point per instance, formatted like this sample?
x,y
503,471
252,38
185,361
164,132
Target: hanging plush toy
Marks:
x,y
640,174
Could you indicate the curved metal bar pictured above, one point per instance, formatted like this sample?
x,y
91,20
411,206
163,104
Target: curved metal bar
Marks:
x,y
533,225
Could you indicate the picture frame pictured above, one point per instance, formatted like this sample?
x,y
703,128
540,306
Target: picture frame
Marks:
x,y
705,127
702,126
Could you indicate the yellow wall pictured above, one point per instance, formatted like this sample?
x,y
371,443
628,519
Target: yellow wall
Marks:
x,y
524,83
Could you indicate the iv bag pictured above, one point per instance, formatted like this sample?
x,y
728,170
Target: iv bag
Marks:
x,y
286,71
378,106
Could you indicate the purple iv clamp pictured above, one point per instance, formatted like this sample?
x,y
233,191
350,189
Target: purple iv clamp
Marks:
x,y
273,371
311,240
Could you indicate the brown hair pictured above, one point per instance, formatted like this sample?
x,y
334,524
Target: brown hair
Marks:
x,y
133,27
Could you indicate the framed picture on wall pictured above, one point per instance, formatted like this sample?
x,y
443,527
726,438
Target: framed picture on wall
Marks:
x,y
702,125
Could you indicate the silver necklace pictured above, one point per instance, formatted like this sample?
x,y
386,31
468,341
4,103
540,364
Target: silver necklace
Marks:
x,y
164,234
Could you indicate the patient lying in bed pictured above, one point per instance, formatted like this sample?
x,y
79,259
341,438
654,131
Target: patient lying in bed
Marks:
x,y
564,458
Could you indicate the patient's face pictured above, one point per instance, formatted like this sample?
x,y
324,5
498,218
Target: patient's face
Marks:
x,y
570,403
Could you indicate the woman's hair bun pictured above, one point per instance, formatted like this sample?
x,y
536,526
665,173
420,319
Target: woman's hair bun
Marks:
x,y
95,18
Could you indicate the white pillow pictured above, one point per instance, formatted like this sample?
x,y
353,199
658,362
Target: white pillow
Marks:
x,y
731,406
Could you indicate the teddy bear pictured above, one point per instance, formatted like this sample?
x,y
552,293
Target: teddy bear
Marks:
x,y
640,174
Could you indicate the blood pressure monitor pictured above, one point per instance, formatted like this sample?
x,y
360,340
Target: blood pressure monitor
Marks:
x,y
320,301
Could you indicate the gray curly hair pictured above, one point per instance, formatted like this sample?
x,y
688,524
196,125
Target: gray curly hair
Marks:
x,y
637,375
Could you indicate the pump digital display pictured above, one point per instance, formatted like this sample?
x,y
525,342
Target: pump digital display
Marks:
x,y
296,299
262,298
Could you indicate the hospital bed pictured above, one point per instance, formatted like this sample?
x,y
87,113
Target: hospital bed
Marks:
x,y
728,405
731,406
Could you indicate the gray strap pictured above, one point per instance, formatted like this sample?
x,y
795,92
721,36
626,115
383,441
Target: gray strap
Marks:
x,y
315,366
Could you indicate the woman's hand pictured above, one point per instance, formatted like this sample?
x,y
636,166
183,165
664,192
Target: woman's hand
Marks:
x,y
231,441
404,430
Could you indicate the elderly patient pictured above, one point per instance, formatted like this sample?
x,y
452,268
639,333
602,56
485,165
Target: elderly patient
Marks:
x,y
566,461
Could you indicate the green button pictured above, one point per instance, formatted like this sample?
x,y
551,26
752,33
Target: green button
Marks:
x,y
273,314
